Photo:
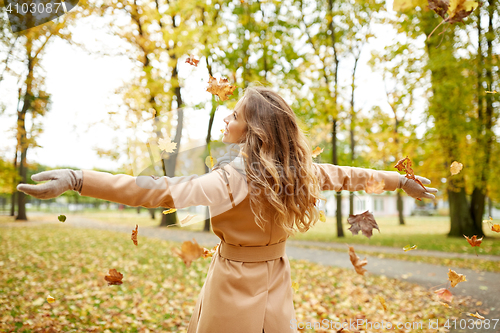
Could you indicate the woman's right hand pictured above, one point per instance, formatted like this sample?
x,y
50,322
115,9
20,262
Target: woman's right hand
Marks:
x,y
61,180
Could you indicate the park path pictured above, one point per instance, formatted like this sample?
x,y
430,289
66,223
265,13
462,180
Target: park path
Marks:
x,y
483,286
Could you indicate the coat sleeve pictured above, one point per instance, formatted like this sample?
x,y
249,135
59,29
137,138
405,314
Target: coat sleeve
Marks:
x,y
172,192
336,178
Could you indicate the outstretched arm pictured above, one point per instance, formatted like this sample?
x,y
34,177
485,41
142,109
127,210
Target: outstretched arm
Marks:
x,y
173,192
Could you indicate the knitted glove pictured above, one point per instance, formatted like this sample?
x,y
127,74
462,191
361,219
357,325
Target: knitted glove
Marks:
x,y
414,189
61,180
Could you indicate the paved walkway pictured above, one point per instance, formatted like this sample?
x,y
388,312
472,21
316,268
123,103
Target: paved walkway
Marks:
x,y
483,286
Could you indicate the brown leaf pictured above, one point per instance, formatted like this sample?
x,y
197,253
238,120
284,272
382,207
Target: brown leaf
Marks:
x,y
460,9
444,293
209,253
405,165
222,88
439,6
364,222
473,241
192,61
356,262
373,186
114,277
189,251
134,235
455,278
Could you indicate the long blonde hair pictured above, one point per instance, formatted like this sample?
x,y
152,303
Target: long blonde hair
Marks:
x,y
278,163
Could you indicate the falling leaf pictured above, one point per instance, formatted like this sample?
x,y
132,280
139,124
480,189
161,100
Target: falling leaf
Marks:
x,y
456,167
210,161
405,165
322,216
114,277
185,220
222,131
189,251
168,211
209,253
473,241
460,9
373,186
61,218
444,293
50,299
192,61
364,222
317,151
476,315
455,278
167,145
134,235
295,286
409,248
445,305
382,301
356,262
222,88
496,228
492,92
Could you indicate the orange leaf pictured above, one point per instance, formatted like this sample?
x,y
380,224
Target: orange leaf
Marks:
x,y
444,293
114,277
373,186
456,167
356,262
476,315
134,235
496,228
192,61
364,222
317,151
222,88
189,251
405,165
455,278
382,301
473,241
209,253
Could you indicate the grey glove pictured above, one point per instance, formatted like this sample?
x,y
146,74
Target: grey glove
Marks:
x,y
61,180
414,189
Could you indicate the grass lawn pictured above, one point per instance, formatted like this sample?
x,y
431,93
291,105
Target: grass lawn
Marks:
x,y
158,292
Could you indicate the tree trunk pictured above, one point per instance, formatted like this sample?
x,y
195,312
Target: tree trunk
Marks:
x,y
338,195
21,197
152,213
399,203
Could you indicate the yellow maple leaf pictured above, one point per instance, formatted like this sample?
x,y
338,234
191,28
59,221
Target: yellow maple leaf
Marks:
x,y
167,145
455,278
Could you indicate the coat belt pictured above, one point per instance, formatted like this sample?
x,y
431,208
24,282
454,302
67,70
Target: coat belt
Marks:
x,y
252,253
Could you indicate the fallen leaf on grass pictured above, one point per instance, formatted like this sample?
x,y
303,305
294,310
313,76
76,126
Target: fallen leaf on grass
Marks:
x,y
444,293
455,278
317,151
456,167
295,286
114,277
364,222
134,235
50,299
474,241
476,315
61,218
189,251
382,301
222,88
373,186
445,305
356,262
409,248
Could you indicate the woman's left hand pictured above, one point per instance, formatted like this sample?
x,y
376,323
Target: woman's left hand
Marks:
x,y
414,189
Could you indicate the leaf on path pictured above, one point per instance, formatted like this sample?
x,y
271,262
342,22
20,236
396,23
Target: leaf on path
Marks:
x,y
222,88
322,216
473,241
189,251
168,211
356,262
61,218
476,315
364,222
317,151
134,235
192,61
409,248
50,299
114,277
373,186
167,145
444,293
455,278
456,167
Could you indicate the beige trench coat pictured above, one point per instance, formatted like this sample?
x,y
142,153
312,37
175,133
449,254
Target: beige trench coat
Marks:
x,y
240,294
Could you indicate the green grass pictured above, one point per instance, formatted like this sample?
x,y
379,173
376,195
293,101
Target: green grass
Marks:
x,y
158,291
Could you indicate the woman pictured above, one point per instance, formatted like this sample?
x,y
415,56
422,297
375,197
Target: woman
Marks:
x,y
256,203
